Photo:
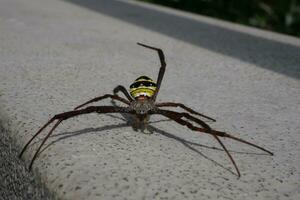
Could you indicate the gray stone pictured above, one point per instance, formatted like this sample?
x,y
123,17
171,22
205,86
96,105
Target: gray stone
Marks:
x,y
58,54
16,182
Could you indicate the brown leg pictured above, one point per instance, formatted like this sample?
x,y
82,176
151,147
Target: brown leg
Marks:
x,y
115,97
161,70
218,133
43,142
171,104
223,134
206,129
66,115
122,89
177,118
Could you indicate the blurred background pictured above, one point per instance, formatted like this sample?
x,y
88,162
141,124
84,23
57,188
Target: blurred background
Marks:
x,y
281,16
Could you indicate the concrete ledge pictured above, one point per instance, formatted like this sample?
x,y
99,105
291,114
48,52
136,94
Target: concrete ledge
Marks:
x,y
57,54
16,182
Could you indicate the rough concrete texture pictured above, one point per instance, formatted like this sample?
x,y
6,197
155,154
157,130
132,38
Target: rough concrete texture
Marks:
x,y
16,183
57,54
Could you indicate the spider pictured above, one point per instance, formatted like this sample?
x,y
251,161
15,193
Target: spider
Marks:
x,y
141,103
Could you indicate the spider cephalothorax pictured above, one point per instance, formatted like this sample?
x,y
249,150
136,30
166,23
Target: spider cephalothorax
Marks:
x,y
141,103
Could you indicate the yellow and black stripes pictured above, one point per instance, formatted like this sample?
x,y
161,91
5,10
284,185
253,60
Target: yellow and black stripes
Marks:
x,y
143,86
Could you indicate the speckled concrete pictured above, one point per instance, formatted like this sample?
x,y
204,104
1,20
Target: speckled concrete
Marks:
x,y
16,183
57,54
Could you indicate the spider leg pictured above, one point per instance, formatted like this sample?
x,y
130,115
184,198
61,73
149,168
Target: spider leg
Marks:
x,y
177,117
171,104
43,142
121,88
161,70
66,115
115,97
218,133
39,131
206,129
223,134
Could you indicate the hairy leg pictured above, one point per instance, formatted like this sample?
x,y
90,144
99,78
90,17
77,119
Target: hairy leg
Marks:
x,y
171,104
177,117
162,69
121,88
66,115
203,124
115,97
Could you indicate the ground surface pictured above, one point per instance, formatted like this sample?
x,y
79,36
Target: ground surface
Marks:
x,y
57,54
16,183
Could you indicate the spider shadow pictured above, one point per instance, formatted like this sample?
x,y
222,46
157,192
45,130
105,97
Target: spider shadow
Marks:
x,y
185,142
190,145
66,135
127,119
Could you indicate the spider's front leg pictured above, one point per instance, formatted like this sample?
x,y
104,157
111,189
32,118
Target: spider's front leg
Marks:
x,y
66,115
162,69
121,88
171,104
115,97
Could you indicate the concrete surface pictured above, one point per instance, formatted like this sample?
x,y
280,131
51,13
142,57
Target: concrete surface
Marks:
x,y
57,54
16,183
